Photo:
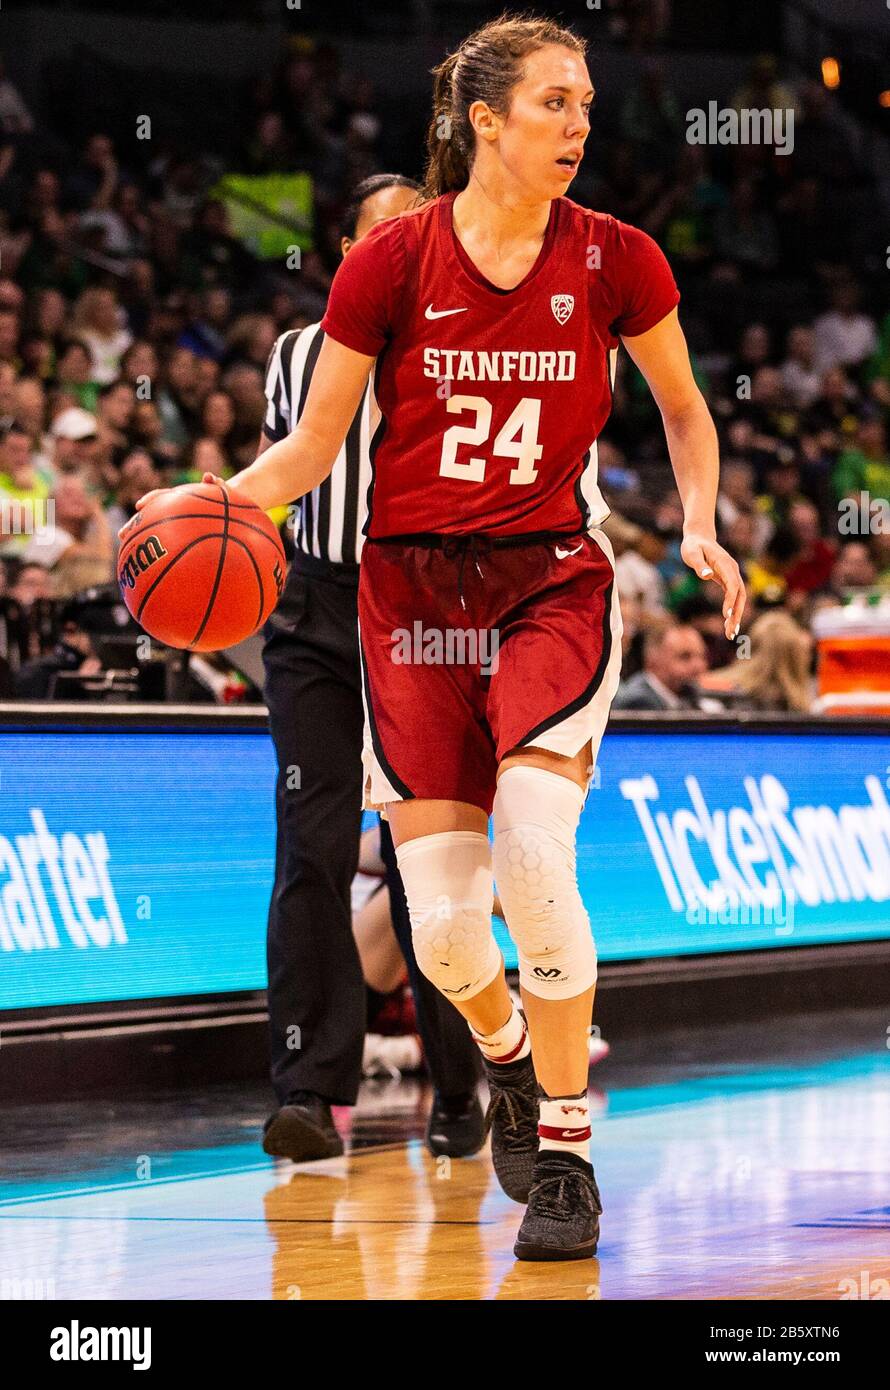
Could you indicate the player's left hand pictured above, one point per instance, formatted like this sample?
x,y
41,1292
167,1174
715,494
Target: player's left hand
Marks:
x,y
711,561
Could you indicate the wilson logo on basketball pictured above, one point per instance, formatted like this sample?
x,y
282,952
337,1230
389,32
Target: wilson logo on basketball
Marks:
x,y
562,306
143,557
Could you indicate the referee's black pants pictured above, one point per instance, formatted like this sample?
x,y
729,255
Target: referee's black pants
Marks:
x,y
317,1013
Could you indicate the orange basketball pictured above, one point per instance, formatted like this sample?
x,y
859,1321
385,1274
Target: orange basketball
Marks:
x,y
199,568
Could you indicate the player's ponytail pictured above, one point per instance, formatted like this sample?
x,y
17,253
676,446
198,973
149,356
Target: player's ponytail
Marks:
x,y
486,67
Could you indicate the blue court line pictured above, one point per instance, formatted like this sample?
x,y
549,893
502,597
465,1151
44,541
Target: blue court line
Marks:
x,y
221,1170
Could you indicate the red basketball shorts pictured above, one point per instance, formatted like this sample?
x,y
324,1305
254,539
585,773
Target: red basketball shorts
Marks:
x,y
468,656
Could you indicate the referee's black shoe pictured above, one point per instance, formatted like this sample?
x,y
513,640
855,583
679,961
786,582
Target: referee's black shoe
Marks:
x,y
302,1130
456,1125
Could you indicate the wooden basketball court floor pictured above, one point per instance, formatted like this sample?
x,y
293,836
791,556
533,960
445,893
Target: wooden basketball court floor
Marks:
x,y
739,1163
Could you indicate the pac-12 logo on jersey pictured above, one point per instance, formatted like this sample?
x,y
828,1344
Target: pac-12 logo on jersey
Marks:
x,y
562,306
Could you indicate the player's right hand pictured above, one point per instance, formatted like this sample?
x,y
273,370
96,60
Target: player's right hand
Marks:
x,y
158,492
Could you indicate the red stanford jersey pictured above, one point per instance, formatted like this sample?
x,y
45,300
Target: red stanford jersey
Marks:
x,y
491,400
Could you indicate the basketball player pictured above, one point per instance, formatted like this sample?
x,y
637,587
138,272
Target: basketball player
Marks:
x,y
313,693
493,314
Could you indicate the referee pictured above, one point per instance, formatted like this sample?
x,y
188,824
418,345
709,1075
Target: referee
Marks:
x,y
313,693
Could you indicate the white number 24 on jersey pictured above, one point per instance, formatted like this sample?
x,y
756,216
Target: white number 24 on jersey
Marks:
x,y
517,439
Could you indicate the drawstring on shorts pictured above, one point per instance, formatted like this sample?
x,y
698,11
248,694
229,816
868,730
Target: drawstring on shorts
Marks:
x,y
457,546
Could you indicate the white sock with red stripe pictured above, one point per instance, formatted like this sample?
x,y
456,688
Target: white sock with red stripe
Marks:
x,y
507,1044
564,1126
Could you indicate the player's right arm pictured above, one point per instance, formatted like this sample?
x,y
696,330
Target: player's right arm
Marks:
x,y
285,470
296,464
364,304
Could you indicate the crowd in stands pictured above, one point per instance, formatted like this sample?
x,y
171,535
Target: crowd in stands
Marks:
x,y
135,326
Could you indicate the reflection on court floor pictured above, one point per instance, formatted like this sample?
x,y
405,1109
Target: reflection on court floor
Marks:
x,y
755,1182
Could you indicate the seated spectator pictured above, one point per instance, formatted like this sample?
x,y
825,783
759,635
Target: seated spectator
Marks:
x,y
638,549
47,314
79,551
74,434
8,379
812,565
244,383
866,466
781,489
199,457
31,583
755,350
801,377
178,400
25,613
674,660
212,254
777,674
147,432
205,334
854,568
30,412
10,333
138,475
74,372
736,496
74,651
703,610
38,357
98,323
251,339
218,417
845,337
836,413
116,402
140,368
768,574
23,492
769,409
92,179
124,225
207,374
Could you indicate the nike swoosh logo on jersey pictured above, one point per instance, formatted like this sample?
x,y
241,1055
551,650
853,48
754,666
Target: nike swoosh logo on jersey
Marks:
x,y
432,313
561,554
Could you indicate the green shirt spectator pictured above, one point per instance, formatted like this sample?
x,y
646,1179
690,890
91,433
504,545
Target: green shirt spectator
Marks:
x,y
23,493
865,467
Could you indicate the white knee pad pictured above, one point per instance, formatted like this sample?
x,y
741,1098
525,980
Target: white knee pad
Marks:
x,y
536,815
450,891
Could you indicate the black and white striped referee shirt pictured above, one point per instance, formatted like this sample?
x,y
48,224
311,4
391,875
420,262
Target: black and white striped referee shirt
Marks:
x,y
329,522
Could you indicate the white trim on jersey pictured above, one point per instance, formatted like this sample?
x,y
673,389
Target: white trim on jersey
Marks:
x,y
330,517
597,506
